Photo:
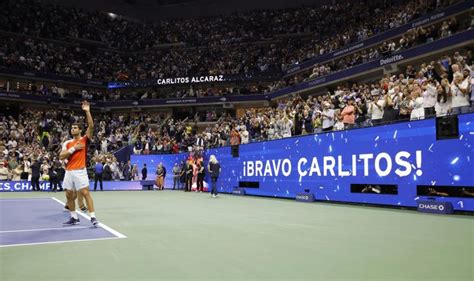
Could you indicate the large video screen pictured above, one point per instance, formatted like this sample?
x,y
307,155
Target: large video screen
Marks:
x,y
377,165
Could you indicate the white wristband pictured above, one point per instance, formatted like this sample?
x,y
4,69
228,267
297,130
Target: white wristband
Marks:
x,y
71,150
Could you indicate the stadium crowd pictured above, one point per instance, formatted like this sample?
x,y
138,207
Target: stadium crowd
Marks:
x,y
40,19
12,57
29,144
243,44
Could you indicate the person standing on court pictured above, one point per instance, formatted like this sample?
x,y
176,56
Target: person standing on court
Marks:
x,y
214,169
98,171
176,176
35,174
200,177
160,176
189,176
53,178
76,180
127,171
144,172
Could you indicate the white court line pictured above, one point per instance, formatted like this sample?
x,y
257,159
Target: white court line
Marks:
x,y
58,242
45,229
23,200
109,229
114,232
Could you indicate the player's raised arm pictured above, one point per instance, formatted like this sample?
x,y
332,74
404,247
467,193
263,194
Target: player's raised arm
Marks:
x,y
90,121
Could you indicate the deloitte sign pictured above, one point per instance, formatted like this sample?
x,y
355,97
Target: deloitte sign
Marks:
x,y
435,207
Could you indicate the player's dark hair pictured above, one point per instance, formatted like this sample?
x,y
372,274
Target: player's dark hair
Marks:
x,y
79,125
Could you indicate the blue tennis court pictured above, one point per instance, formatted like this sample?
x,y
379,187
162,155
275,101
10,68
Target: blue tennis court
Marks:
x,y
30,221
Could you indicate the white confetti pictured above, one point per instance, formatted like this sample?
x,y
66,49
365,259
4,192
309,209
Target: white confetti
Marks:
x,y
297,141
431,146
468,159
409,126
375,145
377,138
321,187
471,133
416,198
460,203
454,161
460,137
456,178
327,198
395,134
433,182
330,148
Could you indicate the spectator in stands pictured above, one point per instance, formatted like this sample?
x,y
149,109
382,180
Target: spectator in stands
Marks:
x,y
348,114
16,173
460,93
328,117
244,134
416,105
376,109
390,114
442,106
4,172
429,97
404,106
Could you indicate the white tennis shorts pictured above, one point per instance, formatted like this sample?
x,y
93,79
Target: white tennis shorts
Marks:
x,y
76,179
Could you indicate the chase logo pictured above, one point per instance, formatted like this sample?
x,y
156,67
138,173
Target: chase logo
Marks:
x,y
431,207
238,191
304,197
435,207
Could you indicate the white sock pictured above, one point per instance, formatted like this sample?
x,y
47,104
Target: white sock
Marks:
x,y
74,215
92,214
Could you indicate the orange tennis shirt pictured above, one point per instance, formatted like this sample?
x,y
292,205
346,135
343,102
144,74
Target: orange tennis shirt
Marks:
x,y
77,161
